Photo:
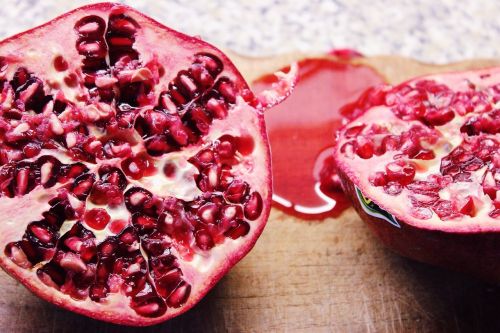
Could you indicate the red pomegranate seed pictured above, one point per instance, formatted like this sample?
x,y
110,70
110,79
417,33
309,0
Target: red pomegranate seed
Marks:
x,y
83,185
393,188
217,108
468,207
74,243
204,240
378,179
208,213
60,64
364,148
179,296
439,117
97,218
354,131
72,262
400,171
421,212
32,149
41,233
226,148
240,230
138,167
117,226
169,170
144,222
236,191
253,206
445,209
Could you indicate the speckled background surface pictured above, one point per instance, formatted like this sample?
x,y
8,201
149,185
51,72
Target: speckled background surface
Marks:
x,y
429,30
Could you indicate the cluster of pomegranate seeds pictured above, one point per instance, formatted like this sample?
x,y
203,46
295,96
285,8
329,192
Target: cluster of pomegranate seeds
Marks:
x,y
441,151
106,231
376,140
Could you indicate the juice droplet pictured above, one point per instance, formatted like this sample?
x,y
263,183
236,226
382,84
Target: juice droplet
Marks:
x,y
302,131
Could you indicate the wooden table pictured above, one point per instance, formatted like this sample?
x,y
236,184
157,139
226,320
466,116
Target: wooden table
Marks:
x,y
318,276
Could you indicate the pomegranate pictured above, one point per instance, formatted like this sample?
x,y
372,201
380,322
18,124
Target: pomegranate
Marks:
x,y
424,156
134,165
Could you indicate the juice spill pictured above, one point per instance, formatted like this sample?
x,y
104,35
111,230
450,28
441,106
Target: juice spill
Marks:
x,y
301,132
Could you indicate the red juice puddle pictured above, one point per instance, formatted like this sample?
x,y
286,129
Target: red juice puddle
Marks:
x,y
301,132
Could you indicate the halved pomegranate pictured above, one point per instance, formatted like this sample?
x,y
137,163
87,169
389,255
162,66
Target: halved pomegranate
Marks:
x,y
135,168
425,157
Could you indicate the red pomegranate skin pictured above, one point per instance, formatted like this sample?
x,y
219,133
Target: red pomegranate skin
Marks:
x,y
476,254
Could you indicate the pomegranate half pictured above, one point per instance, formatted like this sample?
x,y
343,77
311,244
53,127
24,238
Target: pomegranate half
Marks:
x,y
134,165
421,165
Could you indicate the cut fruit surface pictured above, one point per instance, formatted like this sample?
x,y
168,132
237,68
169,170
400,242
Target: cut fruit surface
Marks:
x,y
134,165
427,155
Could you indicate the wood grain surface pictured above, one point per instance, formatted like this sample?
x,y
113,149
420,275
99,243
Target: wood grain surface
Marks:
x,y
317,276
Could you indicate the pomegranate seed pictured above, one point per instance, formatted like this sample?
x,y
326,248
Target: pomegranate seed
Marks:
x,y
227,90
138,167
82,186
116,226
157,146
97,218
152,308
400,171
41,233
208,180
238,231
90,26
217,108
422,213
253,206
106,194
393,188
201,76
74,244
60,64
179,296
208,213
137,198
51,275
445,209
468,207
72,262
144,222
244,144
22,179
210,62
17,255
226,148
354,131
423,154
169,170
230,213
236,191
203,240
31,150
364,148
378,179
390,143
439,117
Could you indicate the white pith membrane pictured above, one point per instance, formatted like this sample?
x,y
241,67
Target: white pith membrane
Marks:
x,y
448,136
158,49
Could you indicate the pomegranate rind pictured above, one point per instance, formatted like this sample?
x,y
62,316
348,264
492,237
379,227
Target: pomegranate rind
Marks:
x,y
465,243
117,308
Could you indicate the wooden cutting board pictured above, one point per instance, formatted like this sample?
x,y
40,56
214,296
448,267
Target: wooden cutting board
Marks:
x,y
317,276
